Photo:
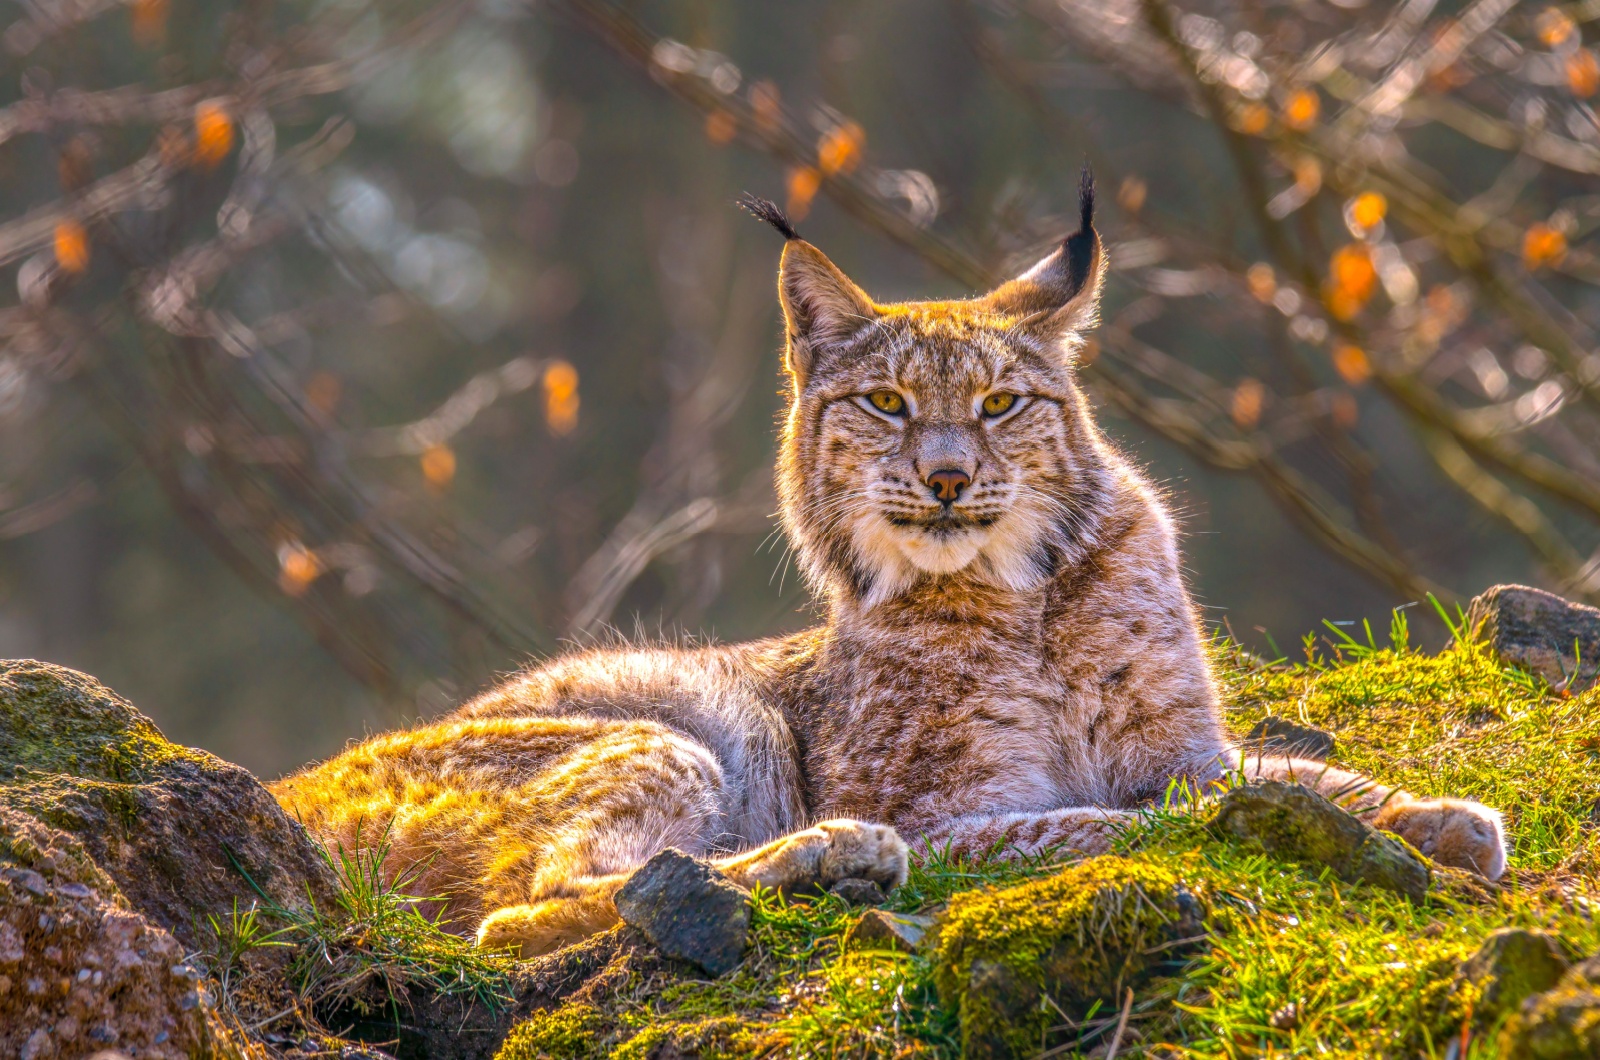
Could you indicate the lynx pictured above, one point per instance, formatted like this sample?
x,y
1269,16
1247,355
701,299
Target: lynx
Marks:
x,y
1010,661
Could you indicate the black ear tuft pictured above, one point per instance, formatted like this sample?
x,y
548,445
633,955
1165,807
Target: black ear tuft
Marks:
x,y
1080,246
1086,199
768,211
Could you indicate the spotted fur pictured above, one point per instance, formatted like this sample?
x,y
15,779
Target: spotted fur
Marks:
x,y
1014,671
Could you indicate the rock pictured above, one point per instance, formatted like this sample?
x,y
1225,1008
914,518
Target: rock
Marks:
x,y
79,969
1282,736
1292,821
880,929
1510,966
1540,632
179,832
1074,938
1560,1024
688,910
858,892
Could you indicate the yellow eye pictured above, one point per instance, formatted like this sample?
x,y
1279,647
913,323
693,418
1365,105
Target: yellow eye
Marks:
x,y
998,404
887,401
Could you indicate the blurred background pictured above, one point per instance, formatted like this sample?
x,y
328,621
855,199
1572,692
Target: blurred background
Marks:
x,y
351,354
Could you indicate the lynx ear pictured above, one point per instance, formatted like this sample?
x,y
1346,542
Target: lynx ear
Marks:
x,y
821,305
1060,297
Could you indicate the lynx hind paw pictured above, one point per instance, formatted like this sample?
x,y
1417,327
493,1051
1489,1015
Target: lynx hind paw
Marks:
x,y
544,927
1455,832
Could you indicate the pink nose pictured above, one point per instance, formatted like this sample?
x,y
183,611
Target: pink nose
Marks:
x,y
948,483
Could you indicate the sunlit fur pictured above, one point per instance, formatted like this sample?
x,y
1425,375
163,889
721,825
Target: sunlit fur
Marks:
x,y
1016,671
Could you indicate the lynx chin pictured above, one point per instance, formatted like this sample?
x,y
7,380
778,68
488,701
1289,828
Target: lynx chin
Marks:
x,y
1010,660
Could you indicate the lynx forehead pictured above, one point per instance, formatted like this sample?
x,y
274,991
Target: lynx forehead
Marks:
x,y
1010,661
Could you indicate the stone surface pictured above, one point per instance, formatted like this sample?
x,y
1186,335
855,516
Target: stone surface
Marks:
x,y
79,970
1559,1024
1512,965
859,892
688,910
1292,821
1282,736
880,929
1011,962
1540,632
177,831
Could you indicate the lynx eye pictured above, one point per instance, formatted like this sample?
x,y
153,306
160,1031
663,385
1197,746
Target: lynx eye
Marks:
x,y
998,404
888,402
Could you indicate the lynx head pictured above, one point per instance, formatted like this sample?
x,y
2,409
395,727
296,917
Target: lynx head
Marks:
x,y
938,440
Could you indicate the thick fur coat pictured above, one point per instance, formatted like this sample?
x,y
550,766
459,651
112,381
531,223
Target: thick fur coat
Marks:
x,y
1010,660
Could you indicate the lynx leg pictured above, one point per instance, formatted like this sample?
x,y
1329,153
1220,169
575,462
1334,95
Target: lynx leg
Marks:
x,y
1454,832
619,800
1077,830
821,856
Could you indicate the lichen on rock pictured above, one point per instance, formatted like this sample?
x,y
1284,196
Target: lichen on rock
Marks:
x,y
1007,959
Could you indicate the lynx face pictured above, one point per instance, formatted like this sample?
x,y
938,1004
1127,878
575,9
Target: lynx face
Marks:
x,y
925,439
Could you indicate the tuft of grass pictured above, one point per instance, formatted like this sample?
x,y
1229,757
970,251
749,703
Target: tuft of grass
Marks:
x,y
377,933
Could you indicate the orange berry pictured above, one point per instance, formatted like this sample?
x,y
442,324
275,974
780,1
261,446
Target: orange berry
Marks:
x,y
213,134
1252,119
803,185
1368,209
71,246
1248,398
1350,361
1301,110
1554,27
438,465
839,151
1543,245
1583,73
561,400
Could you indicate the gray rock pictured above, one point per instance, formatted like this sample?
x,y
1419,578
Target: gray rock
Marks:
x,y
688,910
179,832
879,929
1282,736
856,891
1540,632
1512,965
1294,822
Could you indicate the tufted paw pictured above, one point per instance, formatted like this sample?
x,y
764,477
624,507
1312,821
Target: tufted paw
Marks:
x,y
1454,832
822,855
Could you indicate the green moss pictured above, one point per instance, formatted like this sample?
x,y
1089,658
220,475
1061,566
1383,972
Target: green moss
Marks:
x,y
57,721
720,1038
1009,960
572,1032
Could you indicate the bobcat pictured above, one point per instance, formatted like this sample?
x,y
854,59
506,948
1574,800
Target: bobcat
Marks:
x,y
1010,660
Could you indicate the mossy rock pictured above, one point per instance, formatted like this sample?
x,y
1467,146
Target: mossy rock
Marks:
x,y
574,1031
1292,821
1559,1024
1512,965
1007,959
180,832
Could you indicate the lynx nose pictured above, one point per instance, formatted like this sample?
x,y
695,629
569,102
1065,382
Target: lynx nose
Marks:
x,y
947,484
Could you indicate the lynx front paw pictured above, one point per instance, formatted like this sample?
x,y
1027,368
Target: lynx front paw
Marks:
x,y
822,856
1454,832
